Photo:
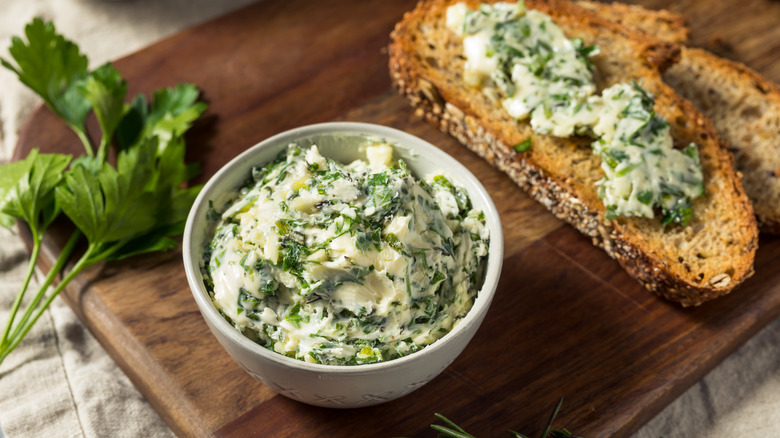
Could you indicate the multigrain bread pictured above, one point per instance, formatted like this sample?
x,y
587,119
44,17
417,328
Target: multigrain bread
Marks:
x,y
660,23
705,259
745,108
743,105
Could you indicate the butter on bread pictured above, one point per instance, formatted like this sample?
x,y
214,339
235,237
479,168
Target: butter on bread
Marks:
x,y
689,264
743,105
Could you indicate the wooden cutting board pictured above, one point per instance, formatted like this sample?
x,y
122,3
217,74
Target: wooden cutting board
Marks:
x,y
566,320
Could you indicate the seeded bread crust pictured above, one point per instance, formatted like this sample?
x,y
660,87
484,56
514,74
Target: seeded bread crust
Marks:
x,y
743,105
705,259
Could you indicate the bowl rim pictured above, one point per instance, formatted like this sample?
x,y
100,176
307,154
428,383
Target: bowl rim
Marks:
x,y
406,140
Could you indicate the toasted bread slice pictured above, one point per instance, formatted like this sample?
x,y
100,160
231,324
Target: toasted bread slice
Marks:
x,y
662,24
689,264
743,105
745,109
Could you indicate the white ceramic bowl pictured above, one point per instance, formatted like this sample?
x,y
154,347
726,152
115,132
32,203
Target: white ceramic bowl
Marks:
x,y
329,385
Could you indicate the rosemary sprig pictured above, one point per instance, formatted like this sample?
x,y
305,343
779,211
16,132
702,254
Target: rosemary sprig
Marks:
x,y
455,431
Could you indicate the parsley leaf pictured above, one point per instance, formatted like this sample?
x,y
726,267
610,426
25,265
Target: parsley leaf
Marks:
x,y
10,175
105,89
54,68
294,315
109,206
132,209
173,110
169,202
169,115
27,189
523,146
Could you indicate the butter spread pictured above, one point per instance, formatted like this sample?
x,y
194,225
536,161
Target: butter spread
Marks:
x,y
523,57
345,264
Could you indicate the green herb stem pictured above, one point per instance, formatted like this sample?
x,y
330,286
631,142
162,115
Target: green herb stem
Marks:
x,y
34,311
456,432
450,432
552,418
56,269
82,135
101,153
36,249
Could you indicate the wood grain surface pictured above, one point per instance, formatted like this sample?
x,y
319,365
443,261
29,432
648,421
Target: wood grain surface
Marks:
x,y
566,320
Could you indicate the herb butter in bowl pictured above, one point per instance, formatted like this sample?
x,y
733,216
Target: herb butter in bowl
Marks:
x,y
343,264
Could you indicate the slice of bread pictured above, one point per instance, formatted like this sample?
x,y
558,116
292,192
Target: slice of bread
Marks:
x,y
743,105
745,109
689,264
662,24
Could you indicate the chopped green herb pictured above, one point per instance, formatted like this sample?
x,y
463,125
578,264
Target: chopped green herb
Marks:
x,y
523,146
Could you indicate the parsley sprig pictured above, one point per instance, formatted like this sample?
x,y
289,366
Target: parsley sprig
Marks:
x,y
134,207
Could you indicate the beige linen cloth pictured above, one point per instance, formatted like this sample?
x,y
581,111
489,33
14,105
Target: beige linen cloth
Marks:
x,y
61,383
